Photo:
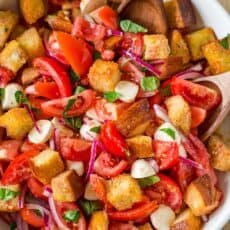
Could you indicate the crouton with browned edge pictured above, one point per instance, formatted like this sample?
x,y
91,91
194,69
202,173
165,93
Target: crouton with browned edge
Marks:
x,y
99,221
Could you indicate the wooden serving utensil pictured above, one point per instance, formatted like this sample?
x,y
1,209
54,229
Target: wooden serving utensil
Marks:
x,y
221,82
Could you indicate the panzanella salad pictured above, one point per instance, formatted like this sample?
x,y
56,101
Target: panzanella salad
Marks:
x,y
100,117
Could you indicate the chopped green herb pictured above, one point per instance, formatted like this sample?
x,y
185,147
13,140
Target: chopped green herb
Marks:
x,y
38,212
225,42
68,106
150,83
129,26
13,226
96,129
170,132
166,91
79,89
74,122
96,55
73,76
21,98
7,194
143,69
72,215
148,181
2,93
112,96
89,207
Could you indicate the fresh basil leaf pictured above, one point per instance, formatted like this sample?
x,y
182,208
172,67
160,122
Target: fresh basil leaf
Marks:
x,y
166,91
225,42
2,93
74,122
13,226
7,194
88,207
150,83
148,181
96,129
73,76
68,106
170,132
112,96
38,212
79,89
21,98
143,69
96,55
72,215
129,26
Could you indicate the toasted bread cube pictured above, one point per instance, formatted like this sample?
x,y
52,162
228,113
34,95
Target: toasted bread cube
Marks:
x,y
59,23
47,165
186,221
220,153
32,43
198,39
67,186
140,146
17,122
146,226
88,6
179,113
130,125
123,191
29,75
8,21
104,75
180,14
18,30
13,57
156,47
32,10
179,47
217,56
99,221
10,205
201,196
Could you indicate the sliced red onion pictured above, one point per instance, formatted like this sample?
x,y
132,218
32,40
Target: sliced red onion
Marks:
x,y
204,218
198,67
191,163
19,222
143,94
22,196
47,191
86,120
158,62
190,74
122,5
139,61
154,165
161,113
53,141
114,33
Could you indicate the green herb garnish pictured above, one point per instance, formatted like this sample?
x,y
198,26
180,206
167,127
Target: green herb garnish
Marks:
x,y
2,93
89,207
74,122
166,91
96,129
7,194
225,42
68,106
129,26
13,226
79,89
72,215
73,76
170,132
150,83
96,55
112,96
148,181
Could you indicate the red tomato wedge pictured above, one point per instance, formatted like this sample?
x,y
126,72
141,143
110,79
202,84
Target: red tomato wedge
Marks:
x,y
76,52
83,101
195,94
9,149
49,67
6,75
36,188
198,116
122,226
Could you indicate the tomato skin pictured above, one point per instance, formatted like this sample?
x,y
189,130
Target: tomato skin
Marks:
x,y
30,217
106,166
28,146
36,188
195,94
113,140
165,153
122,226
166,191
74,149
11,147
50,67
198,116
6,75
76,52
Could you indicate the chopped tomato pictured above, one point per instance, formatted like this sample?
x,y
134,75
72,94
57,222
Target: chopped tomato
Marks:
x,y
9,149
28,146
6,75
133,214
43,89
106,16
83,101
75,149
48,66
166,191
36,188
195,94
107,166
122,226
76,52
18,169
198,116
165,153
32,218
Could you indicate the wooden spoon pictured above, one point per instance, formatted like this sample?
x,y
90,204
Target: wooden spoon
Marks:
x,y
220,82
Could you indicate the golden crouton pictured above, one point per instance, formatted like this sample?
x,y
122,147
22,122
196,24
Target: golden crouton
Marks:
x,y
179,113
99,221
130,125
67,186
13,57
8,21
29,75
140,146
217,56
47,165
179,47
179,13
156,47
201,196
17,122
88,6
104,75
32,10
220,153
59,23
198,39
186,221
146,226
123,191
18,30
9,197
32,43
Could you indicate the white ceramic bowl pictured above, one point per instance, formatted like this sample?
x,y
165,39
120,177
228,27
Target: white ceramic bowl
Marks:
x,y
209,13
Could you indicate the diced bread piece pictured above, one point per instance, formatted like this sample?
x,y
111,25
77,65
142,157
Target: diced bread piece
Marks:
x,y
99,221
88,6
146,226
29,75
47,165
67,186
18,30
